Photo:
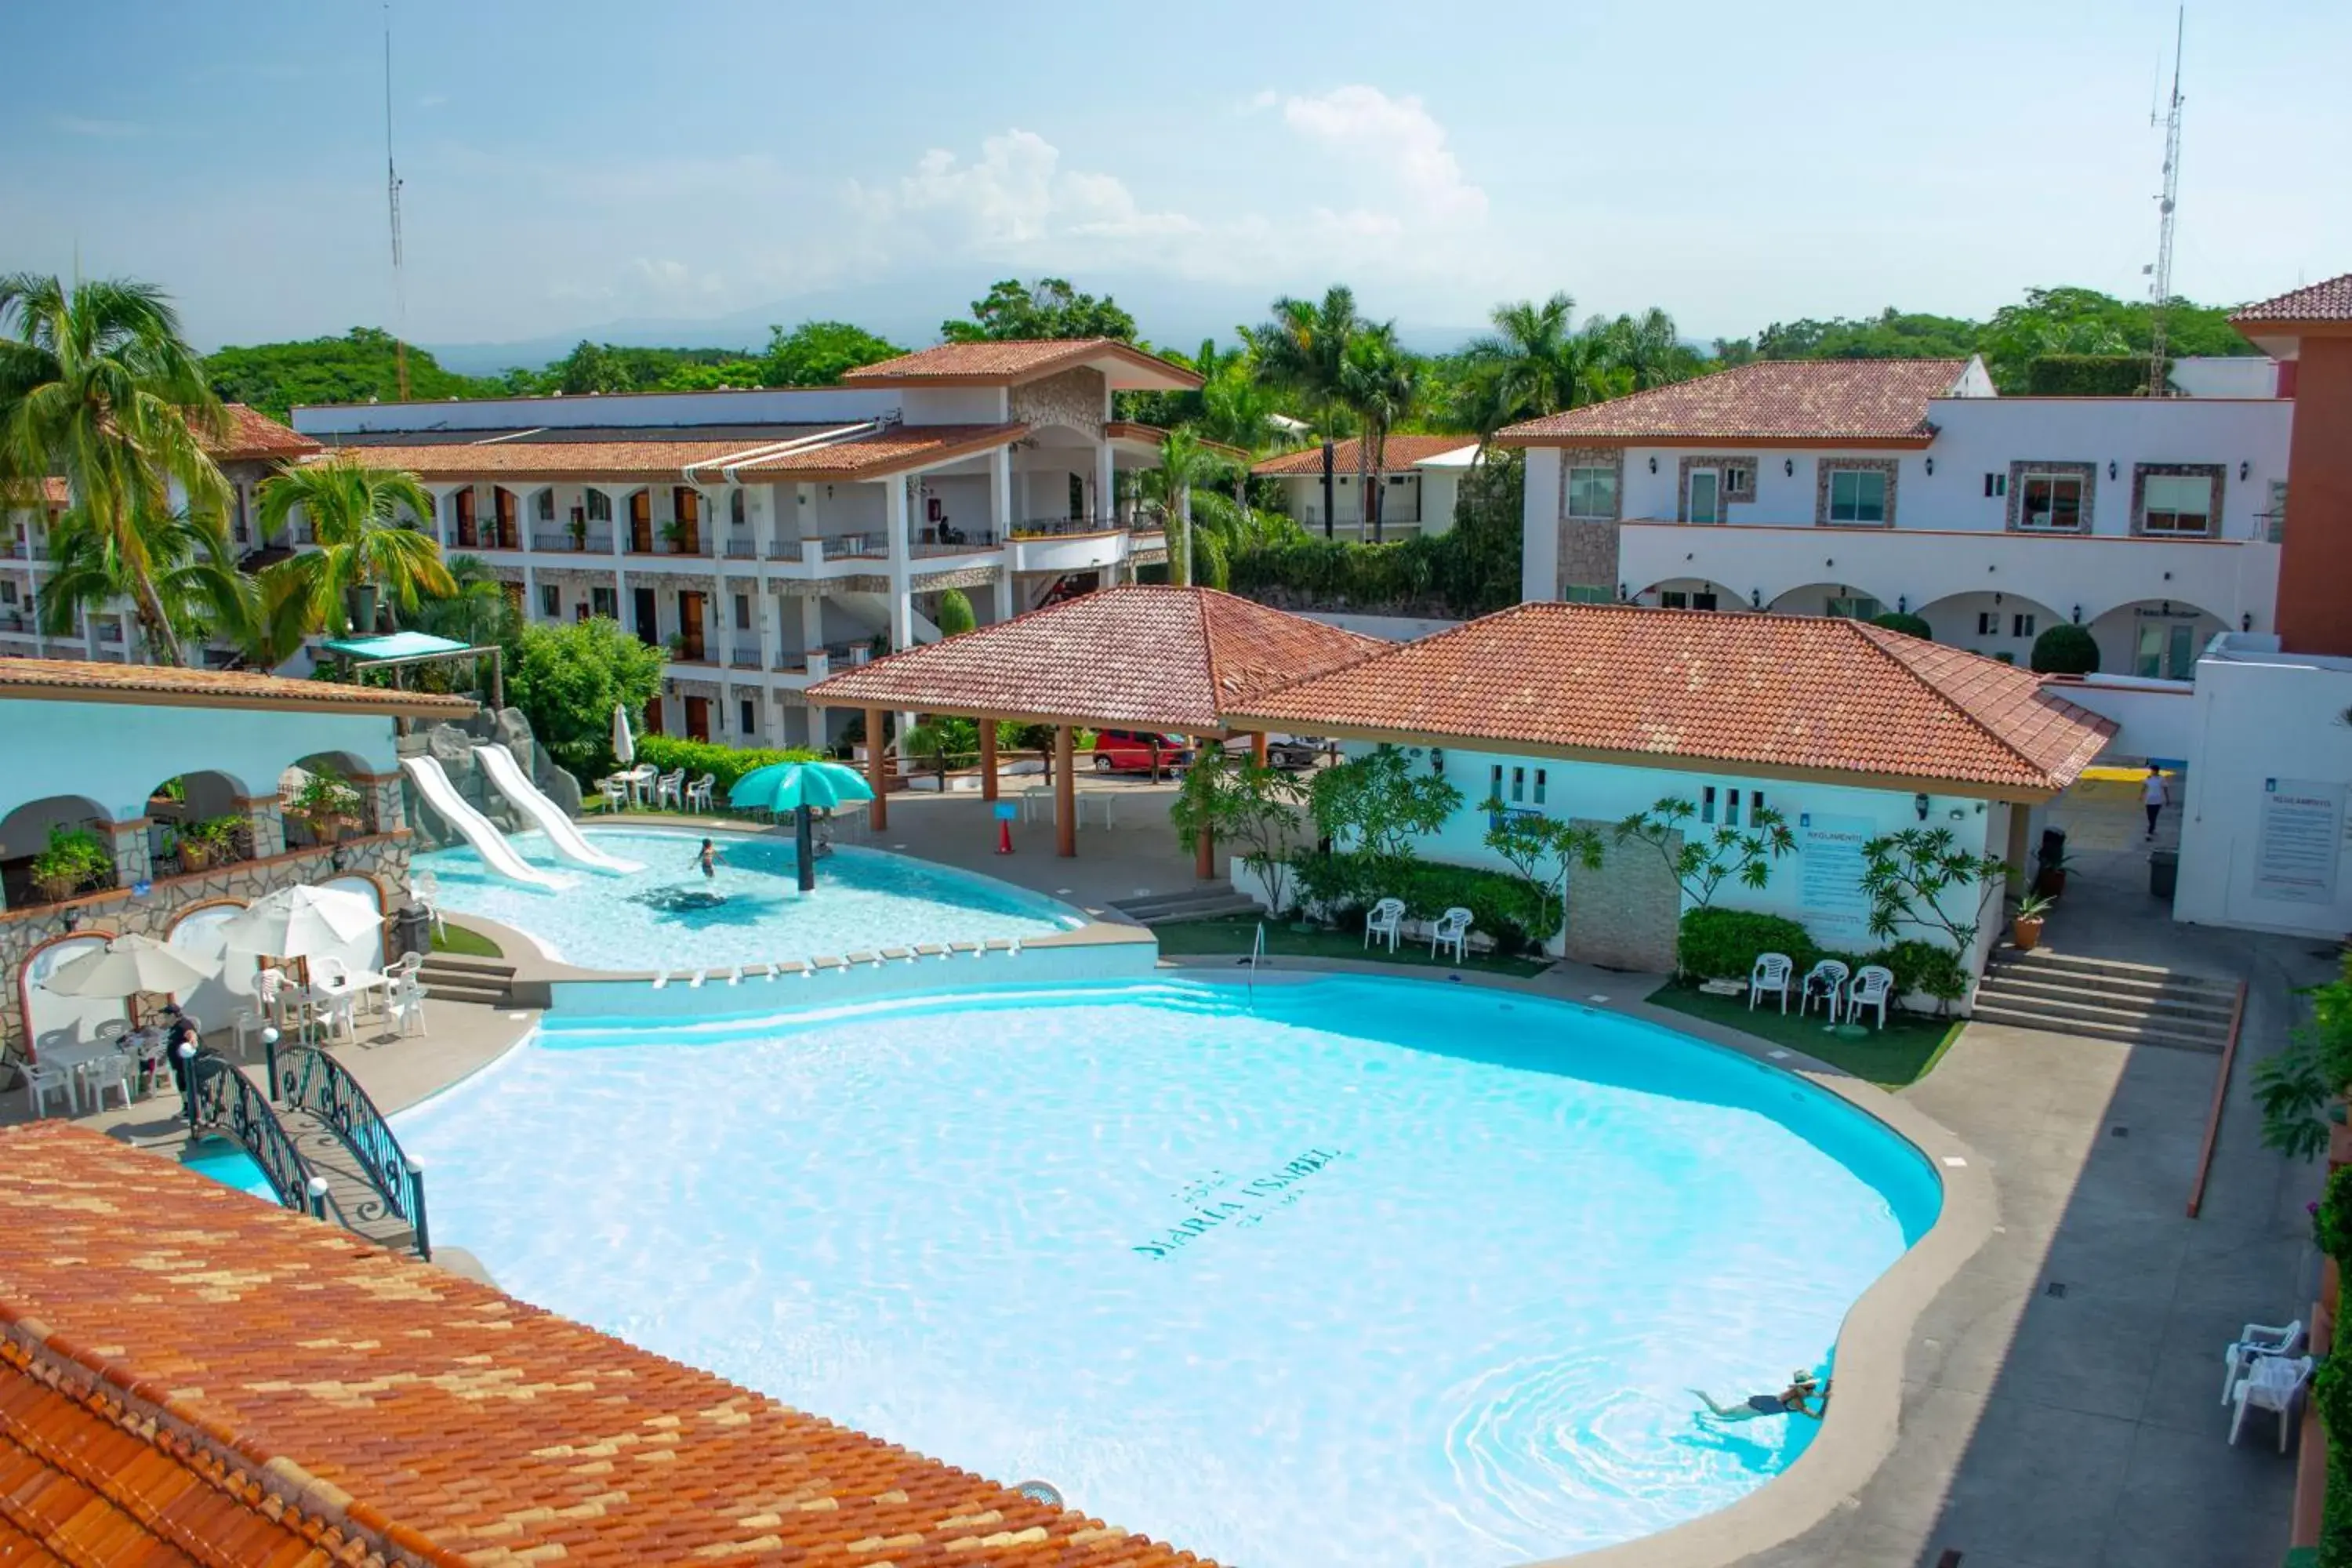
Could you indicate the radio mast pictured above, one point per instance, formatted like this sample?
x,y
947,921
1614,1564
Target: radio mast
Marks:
x,y
392,195
2160,289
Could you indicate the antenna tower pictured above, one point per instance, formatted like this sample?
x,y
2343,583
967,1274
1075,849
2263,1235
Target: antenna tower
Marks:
x,y
392,195
2160,288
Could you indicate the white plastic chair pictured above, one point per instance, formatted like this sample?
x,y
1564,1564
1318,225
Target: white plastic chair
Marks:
x,y
1387,919
43,1080
2274,1384
2254,1341
1770,975
408,1005
697,795
331,969
100,1073
270,990
245,1026
111,1030
1452,929
1871,988
616,792
1825,980
670,787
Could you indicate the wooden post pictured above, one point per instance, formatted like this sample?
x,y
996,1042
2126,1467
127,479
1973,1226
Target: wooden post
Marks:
x,y
988,759
1204,843
1258,748
878,775
1066,794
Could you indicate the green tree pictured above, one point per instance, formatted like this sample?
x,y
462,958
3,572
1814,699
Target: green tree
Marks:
x,y
1379,381
1646,351
566,678
1302,349
819,353
1376,805
592,367
1903,621
1543,850
476,611
1910,875
1256,807
1049,308
98,384
1702,862
354,510
194,569
2065,649
2295,1087
1535,363
954,618
360,366
1185,466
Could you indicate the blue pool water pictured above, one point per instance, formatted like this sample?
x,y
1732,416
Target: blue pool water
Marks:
x,y
669,916
228,1163
1382,1272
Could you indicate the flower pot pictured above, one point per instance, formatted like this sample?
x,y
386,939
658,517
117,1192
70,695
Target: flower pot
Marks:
x,y
55,888
2052,882
2026,931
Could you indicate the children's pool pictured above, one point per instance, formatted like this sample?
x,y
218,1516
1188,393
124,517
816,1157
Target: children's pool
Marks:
x,y
1354,1271
670,916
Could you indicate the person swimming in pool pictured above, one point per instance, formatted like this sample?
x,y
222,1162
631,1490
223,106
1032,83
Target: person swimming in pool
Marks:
x,y
1792,1400
708,858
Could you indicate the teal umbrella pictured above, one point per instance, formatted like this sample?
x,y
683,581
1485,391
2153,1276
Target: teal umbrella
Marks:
x,y
800,788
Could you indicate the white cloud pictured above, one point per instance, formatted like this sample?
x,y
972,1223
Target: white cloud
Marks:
x,y
1014,200
1398,139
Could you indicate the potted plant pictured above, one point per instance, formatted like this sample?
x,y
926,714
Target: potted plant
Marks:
x,y
2026,930
579,527
2050,879
674,534
73,860
327,804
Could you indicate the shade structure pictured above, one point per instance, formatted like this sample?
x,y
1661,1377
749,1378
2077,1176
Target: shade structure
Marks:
x,y
624,745
296,922
126,966
787,786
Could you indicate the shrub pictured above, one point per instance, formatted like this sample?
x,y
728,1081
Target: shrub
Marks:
x,y
2065,649
1723,944
1910,625
1925,966
1502,907
74,859
724,763
2088,375
955,616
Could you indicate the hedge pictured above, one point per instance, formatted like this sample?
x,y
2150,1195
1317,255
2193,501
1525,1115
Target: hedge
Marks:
x,y
2065,649
2089,376
1503,908
1723,944
1909,624
725,764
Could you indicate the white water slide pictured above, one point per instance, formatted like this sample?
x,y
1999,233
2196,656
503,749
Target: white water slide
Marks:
x,y
562,835
473,827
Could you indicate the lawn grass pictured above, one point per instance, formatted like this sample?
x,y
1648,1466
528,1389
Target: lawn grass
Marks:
x,y
1231,934
454,938
1900,1054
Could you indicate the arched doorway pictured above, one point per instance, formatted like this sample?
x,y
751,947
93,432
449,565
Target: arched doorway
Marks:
x,y
2160,638
195,822
53,1020
1997,624
1692,594
75,823
1854,600
196,933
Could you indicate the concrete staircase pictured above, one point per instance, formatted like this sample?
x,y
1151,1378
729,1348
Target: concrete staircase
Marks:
x,y
2107,999
455,977
1201,903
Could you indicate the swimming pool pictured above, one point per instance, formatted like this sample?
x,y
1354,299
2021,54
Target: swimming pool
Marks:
x,y
1357,1270
669,916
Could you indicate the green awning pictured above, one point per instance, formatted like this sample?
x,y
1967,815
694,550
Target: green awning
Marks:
x,y
395,645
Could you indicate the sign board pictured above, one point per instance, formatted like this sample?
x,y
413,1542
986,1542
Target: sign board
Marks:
x,y
1007,811
2298,841
1830,866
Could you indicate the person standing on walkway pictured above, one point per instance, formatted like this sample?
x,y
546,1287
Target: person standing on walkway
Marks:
x,y
2154,796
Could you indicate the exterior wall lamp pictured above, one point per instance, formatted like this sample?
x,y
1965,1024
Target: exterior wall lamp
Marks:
x,y
1919,804
1902,603
1789,467
2246,621
1931,467
2111,468
2078,615
1436,761
2244,470
1756,599
1653,465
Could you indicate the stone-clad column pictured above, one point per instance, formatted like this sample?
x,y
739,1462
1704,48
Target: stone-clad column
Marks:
x,y
381,792
265,817
132,864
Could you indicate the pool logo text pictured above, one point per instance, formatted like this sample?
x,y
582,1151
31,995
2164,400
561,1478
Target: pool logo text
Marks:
x,y
1245,1203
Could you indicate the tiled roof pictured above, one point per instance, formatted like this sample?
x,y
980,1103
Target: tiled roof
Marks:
x,y
1404,452
1823,400
1141,655
253,434
1789,693
1152,434
388,1406
1012,360
660,456
73,679
56,492
2327,301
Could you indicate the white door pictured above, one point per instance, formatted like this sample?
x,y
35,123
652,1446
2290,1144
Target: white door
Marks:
x,y
1705,495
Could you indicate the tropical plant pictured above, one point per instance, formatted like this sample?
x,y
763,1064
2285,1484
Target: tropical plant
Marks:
x,y
1185,465
326,803
1246,804
1646,351
2066,648
191,566
1910,874
1535,363
1376,805
1701,862
819,353
476,611
73,859
954,616
363,547
1724,945
2297,1086
942,744
1049,308
1543,849
724,763
1302,349
1379,381
567,679
98,386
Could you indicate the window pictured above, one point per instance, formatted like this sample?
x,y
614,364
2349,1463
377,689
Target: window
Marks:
x,y
1706,803
551,602
1592,493
742,612
1857,495
735,512
2274,520
1494,785
1702,601
1673,599
1738,484
1731,808
1988,623
1518,785
546,506
1588,593
1400,479
603,602
1996,484
1539,787
600,507
2021,625
1859,607
2176,504
750,713
2051,502
1755,806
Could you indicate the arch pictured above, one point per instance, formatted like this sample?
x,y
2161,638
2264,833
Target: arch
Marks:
x,y
348,766
51,1019
365,952
1998,624
24,833
1692,590
1826,598
197,819
2162,637
194,930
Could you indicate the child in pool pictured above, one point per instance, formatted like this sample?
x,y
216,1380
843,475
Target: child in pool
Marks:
x,y
1790,1401
708,858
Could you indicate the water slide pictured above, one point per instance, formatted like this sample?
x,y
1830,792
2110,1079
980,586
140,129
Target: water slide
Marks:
x,y
562,835
473,826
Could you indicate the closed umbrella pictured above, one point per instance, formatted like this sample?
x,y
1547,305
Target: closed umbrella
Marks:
x,y
126,966
296,922
800,788
624,745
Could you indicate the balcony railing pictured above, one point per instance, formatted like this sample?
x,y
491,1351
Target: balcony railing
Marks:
x,y
564,543
745,655
742,549
1052,527
16,625
956,541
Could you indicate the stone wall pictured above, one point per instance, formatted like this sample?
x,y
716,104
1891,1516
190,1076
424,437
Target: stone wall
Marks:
x,y
1628,913
1074,398
1588,556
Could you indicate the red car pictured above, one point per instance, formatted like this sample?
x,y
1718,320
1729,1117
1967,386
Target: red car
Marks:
x,y
1131,751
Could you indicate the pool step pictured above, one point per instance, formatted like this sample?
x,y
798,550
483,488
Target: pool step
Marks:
x,y
2106,999
456,977
1193,904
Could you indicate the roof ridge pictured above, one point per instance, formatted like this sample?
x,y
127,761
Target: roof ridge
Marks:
x,y
1873,637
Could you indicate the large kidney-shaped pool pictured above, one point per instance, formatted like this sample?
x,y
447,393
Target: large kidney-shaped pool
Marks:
x,y
1350,1271
668,915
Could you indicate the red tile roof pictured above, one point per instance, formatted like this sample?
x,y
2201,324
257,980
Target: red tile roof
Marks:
x,y
1012,360
1880,401
1404,452
252,434
56,492
654,456
345,1395
85,681
1141,655
2327,301
1786,694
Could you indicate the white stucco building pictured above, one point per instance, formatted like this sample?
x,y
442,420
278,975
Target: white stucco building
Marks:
x,y
1418,482
1856,487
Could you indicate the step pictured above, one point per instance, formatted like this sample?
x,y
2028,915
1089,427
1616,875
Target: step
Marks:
x,y
1184,906
2027,987
2114,969
467,963
458,990
2102,1010
2128,1034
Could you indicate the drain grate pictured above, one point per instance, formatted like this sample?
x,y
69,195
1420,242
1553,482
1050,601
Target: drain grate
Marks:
x,y
2118,1131
2055,1287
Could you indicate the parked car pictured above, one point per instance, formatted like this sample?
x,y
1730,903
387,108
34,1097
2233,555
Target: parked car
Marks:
x,y
1293,752
1131,751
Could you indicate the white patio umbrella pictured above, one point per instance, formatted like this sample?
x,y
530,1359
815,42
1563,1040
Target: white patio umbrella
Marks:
x,y
296,922
624,745
127,967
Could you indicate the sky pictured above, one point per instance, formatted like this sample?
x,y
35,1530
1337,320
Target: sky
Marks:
x,y
707,163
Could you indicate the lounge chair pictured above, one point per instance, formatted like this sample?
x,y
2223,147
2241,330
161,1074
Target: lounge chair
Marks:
x,y
2254,1341
1387,919
1452,929
1769,974
2274,1383
1826,982
1871,987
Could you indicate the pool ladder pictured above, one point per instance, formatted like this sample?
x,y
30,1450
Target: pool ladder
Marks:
x,y
1258,956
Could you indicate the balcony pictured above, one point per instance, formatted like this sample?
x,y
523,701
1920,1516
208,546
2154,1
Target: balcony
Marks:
x,y
745,655
15,624
562,541
957,541
743,548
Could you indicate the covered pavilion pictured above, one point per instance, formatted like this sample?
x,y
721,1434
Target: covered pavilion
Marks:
x,y
1145,656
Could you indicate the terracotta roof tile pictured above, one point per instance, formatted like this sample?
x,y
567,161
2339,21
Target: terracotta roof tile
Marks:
x,y
1826,400
1012,360
1779,692
278,1360
69,680
1141,655
2327,301
253,434
660,456
1404,452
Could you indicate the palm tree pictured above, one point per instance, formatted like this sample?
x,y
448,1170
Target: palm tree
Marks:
x,y
97,386
192,566
1185,465
354,510
1380,381
1536,363
476,612
1303,349
1648,350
